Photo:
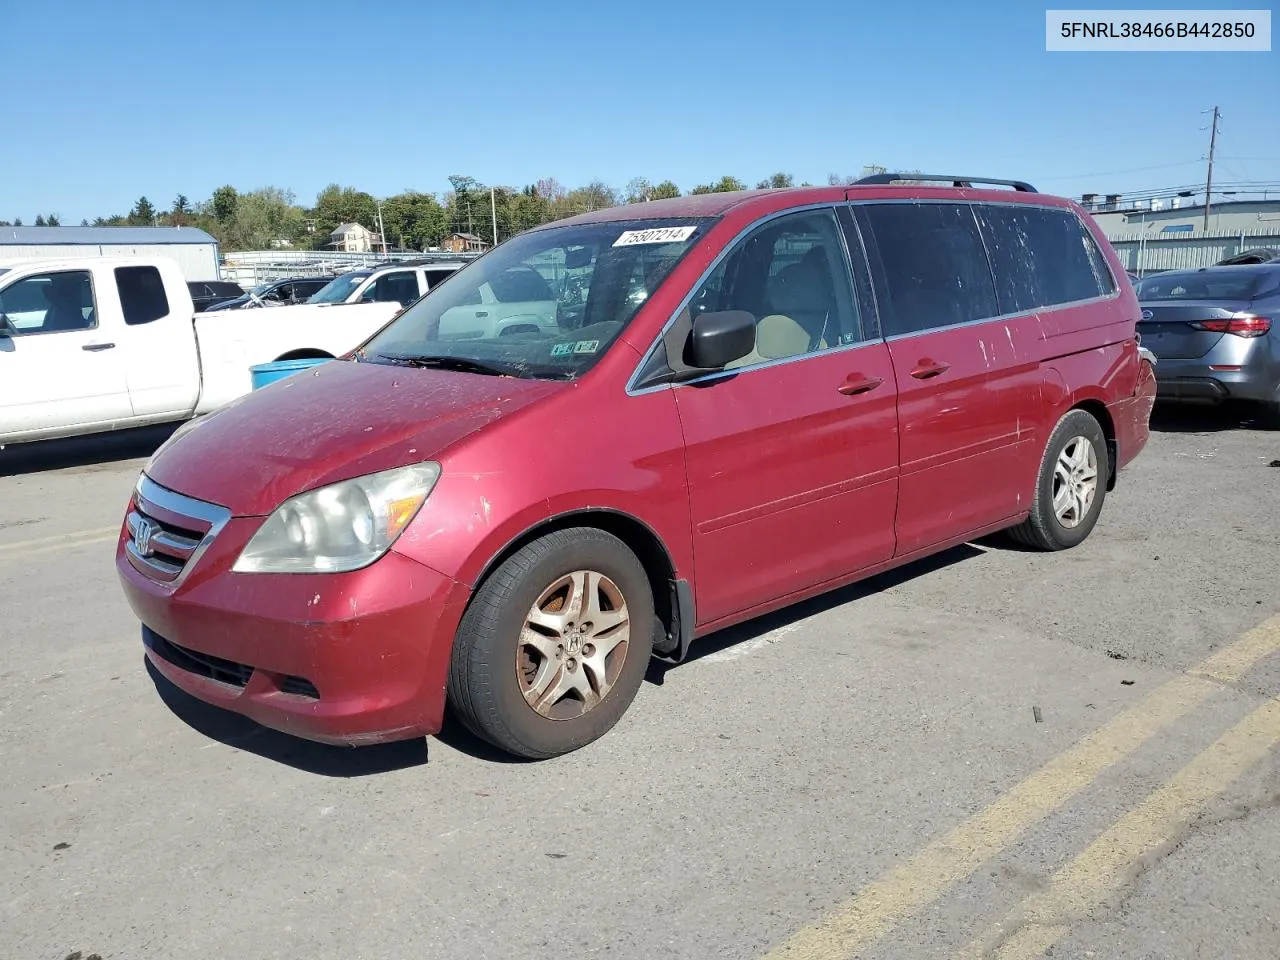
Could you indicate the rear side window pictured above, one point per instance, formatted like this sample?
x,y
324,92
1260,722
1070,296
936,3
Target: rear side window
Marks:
x,y
928,265
142,296
400,287
1041,258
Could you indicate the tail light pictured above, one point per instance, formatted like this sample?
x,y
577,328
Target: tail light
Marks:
x,y
1241,325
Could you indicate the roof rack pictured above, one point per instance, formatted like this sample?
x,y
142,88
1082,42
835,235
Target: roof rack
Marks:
x,y
1019,185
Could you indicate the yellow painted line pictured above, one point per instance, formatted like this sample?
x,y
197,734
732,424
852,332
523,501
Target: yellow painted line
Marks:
x,y
878,907
1104,867
25,548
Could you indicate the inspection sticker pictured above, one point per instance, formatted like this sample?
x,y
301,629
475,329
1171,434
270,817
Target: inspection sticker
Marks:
x,y
561,349
586,346
630,238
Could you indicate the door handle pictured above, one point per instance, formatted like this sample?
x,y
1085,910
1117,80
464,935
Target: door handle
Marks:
x,y
95,347
927,368
857,383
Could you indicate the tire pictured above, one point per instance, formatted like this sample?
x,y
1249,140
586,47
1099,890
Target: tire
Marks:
x,y
525,666
1046,528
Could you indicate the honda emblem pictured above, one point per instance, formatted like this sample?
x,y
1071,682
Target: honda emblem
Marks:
x,y
1147,314
143,533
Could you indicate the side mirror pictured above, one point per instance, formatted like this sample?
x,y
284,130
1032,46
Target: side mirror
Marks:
x,y
6,328
720,338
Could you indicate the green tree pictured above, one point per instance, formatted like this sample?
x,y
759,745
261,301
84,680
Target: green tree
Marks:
x,y
40,220
143,213
53,220
181,213
17,221
265,219
638,190
224,204
414,220
723,185
778,181
84,223
666,190
527,209
596,195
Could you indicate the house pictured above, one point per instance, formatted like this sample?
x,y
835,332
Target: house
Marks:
x,y
353,238
464,243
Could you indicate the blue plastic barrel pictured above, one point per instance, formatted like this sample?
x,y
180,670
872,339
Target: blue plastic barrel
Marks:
x,y
265,373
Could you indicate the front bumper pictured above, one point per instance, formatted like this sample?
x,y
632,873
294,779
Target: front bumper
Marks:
x,y
354,658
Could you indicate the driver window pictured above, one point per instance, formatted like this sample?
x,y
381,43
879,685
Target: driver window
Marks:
x,y
791,274
50,303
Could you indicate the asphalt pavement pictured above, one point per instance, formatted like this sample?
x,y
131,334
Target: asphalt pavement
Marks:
x,y
993,753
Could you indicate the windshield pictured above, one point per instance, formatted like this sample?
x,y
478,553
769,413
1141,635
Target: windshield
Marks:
x,y
1233,283
547,303
262,288
338,289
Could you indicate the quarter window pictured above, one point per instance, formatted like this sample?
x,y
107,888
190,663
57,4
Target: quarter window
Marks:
x,y
792,275
1041,257
142,296
929,266
49,303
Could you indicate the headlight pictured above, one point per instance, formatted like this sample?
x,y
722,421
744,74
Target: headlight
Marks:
x,y
341,527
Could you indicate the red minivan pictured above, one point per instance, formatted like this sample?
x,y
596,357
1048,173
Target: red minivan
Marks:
x,y
616,433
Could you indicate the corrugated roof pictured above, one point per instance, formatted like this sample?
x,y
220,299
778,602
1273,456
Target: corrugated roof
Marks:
x,y
53,236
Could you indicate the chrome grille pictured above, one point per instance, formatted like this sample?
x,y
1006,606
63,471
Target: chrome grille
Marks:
x,y
167,531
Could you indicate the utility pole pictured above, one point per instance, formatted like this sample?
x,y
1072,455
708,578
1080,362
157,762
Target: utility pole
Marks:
x,y
493,209
1208,182
382,233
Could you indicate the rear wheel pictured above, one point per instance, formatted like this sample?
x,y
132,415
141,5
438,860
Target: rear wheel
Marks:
x,y
1071,485
554,645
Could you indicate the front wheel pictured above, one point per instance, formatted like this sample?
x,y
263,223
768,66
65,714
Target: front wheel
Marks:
x,y
1070,487
554,645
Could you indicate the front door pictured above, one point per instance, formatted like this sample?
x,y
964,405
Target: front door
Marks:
x,y
968,389
61,365
162,365
792,454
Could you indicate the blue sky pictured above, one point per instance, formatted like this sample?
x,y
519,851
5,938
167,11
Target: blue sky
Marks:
x,y
108,101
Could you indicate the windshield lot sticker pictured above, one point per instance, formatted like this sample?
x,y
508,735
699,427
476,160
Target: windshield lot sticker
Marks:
x,y
630,238
562,349
586,346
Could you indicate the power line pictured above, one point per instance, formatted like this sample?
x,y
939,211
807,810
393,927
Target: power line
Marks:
x,y
1112,173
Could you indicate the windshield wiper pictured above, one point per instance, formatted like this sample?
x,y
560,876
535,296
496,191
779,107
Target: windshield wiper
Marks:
x,y
443,362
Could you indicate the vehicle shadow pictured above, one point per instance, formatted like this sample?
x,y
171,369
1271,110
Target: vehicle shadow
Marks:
x,y
305,755
242,733
752,629
1202,418
101,448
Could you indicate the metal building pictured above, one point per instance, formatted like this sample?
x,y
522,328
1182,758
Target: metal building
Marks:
x,y
195,252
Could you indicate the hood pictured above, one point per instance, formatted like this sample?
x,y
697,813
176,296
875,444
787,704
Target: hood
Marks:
x,y
329,423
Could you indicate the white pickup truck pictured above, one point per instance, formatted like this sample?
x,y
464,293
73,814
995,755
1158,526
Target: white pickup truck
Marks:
x,y
94,344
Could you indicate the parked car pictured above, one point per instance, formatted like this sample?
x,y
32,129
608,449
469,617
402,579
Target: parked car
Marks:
x,y
1247,257
1213,331
295,290
750,399
205,293
96,344
400,284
